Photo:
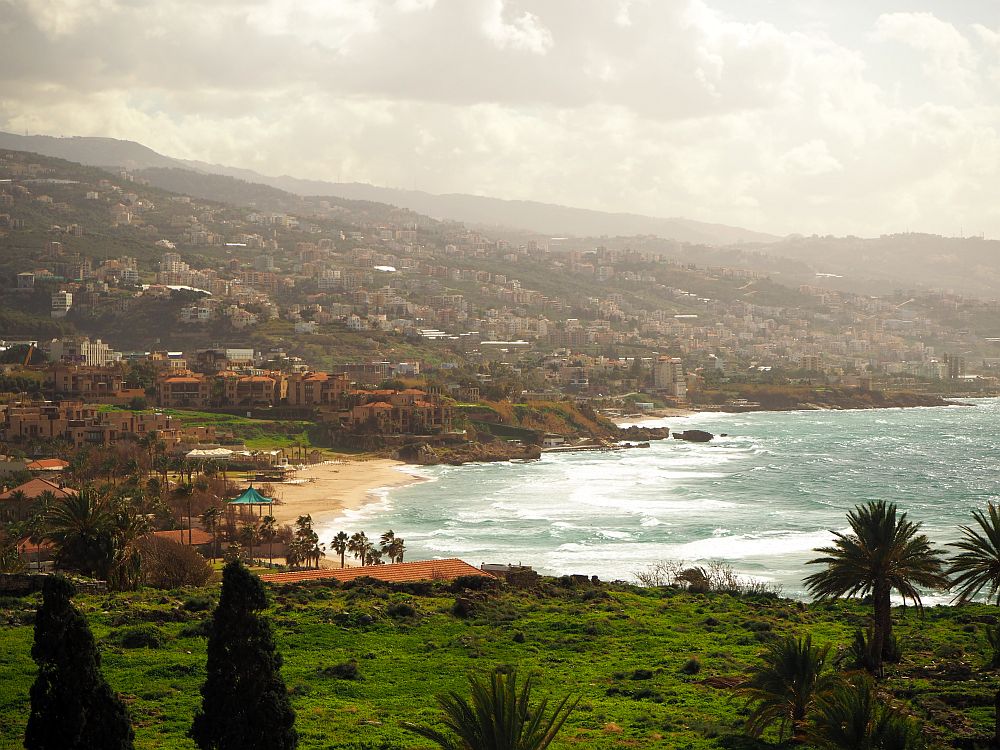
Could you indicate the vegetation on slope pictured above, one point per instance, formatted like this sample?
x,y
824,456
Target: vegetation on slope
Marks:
x,y
653,667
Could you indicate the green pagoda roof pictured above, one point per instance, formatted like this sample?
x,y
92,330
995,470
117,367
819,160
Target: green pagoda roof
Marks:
x,y
250,496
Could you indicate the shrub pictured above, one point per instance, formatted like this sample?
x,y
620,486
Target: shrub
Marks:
x,y
139,636
170,565
198,603
196,629
473,583
692,666
993,640
462,607
347,670
401,610
718,577
859,653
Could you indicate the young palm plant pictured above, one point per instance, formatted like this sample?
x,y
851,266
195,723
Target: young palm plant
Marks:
x,y
883,553
976,568
787,686
853,717
497,716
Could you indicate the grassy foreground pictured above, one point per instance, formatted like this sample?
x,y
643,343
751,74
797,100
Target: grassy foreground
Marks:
x,y
653,667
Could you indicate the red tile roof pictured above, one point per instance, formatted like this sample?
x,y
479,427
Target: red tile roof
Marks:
x,y
47,464
33,488
198,537
424,570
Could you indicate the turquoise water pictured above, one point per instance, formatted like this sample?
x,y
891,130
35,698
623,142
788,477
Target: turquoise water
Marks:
x,y
760,499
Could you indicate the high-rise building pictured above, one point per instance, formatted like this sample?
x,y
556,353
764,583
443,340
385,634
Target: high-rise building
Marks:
x,y
668,375
62,301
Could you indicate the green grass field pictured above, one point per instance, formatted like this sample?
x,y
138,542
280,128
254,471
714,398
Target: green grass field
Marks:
x,y
623,650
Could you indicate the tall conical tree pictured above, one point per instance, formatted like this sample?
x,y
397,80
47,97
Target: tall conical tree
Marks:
x,y
72,706
245,705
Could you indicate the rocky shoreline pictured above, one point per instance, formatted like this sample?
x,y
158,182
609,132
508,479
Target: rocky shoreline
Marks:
x,y
424,454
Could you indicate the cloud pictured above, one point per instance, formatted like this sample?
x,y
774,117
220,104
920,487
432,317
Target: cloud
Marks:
x,y
668,108
947,57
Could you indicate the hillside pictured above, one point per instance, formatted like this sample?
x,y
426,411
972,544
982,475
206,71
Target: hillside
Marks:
x,y
966,265
543,218
94,152
653,667
533,216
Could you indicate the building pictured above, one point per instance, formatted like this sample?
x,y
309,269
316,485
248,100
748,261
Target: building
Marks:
x,y
83,351
62,302
410,411
371,373
82,424
16,503
956,366
252,390
316,388
104,384
184,389
668,376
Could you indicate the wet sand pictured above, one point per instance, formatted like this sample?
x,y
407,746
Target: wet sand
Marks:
x,y
336,487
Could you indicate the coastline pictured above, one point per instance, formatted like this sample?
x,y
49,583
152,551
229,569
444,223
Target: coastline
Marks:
x,y
330,488
675,413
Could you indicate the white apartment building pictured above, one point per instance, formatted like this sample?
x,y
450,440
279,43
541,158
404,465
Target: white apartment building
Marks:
x,y
83,351
668,375
62,301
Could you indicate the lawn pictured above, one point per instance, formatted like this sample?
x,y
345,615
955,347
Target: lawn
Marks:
x,y
652,667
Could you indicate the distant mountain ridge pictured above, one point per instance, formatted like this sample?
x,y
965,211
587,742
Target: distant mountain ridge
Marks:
x,y
532,216
90,151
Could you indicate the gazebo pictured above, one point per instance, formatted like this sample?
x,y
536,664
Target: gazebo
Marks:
x,y
251,499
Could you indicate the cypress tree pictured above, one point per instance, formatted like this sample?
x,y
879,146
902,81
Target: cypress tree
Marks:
x,y
72,706
245,705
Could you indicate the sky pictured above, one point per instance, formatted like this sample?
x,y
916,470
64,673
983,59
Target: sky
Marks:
x,y
807,116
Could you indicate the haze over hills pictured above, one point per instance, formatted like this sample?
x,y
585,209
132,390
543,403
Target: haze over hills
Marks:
x,y
543,218
968,266
92,152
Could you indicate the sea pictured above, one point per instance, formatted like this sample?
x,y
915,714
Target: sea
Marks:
x,y
759,499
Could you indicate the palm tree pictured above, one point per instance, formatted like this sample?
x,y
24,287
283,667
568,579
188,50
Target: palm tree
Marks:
x,y
19,500
386,539
785,689
396,550
854,717
358,545
35,529
186,490
339,545
498,717
374,555
392,546
80,525
249,537
211,519
884,553
127,530
977,567
268,530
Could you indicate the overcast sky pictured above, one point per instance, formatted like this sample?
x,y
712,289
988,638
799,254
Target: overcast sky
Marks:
x,y
845,116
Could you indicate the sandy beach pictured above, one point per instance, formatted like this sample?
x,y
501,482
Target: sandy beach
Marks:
x,y
655,414
334,487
